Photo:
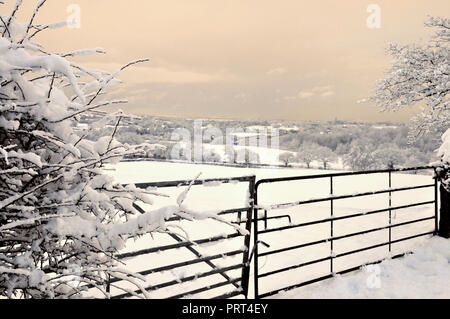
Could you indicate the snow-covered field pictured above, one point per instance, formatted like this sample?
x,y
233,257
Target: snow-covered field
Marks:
x,y
225,196
270,156
266,155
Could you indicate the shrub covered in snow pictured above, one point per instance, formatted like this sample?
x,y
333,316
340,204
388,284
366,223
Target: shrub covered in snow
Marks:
x,y
58,211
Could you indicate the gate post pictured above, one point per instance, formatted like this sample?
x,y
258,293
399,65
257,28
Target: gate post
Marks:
x,y
248,225
442,174
444,222
255,242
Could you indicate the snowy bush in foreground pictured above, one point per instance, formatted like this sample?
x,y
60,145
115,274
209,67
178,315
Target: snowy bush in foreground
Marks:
x,y
58,211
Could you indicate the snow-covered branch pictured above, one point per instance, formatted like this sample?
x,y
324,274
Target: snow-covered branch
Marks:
x,y
57,207
420,74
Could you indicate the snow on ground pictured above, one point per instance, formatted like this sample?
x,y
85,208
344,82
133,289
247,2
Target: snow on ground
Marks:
x,y
266,155
139,172
424,274
225,196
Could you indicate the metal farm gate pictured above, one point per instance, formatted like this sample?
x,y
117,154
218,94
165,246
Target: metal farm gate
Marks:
x,y
237,285
309,239
326,219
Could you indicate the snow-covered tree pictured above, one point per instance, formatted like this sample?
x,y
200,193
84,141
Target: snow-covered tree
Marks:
x,y
307,153
389,157
212,156
420,74
246,156
325,155
129,138
156,151
360,157
287,158
58,210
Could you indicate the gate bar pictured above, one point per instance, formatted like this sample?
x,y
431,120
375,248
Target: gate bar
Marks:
x,y
337,256
331,224
181,280
297,178
344,236
320,221
196,182
325,199
207,261
199,290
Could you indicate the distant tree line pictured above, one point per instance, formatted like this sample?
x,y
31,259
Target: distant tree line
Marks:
x,y
361,147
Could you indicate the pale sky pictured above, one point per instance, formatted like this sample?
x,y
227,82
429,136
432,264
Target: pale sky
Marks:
x,y
244,59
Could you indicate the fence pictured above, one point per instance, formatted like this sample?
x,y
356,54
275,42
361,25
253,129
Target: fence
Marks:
x,y
258,217
332,219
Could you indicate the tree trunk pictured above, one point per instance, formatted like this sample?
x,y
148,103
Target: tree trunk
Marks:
x,y
444,223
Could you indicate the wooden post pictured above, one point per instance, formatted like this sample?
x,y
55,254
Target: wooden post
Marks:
x,y
444,222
